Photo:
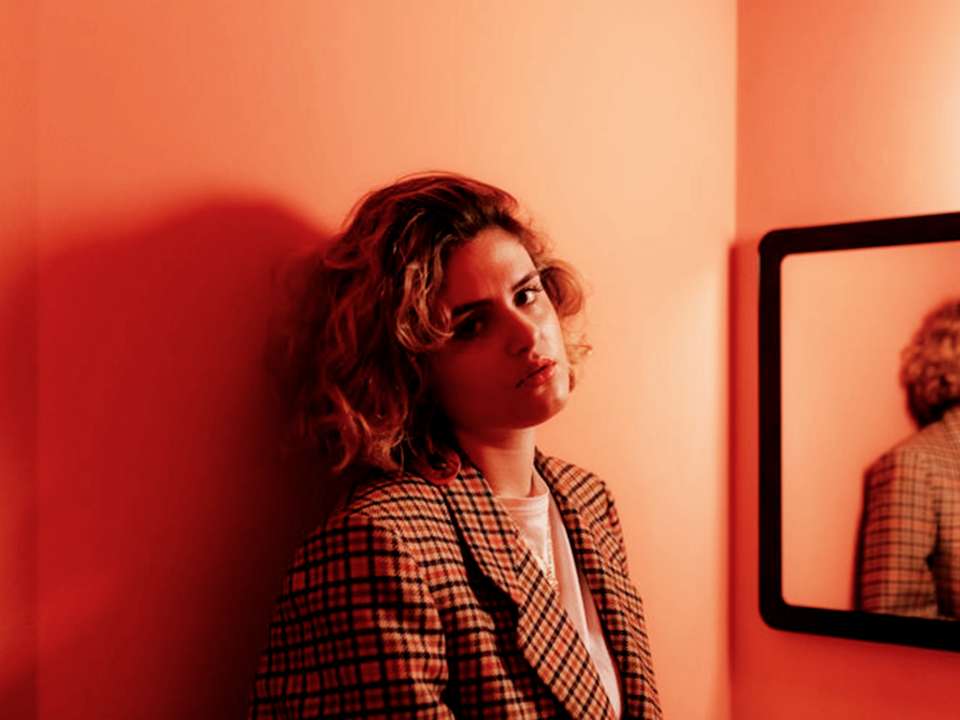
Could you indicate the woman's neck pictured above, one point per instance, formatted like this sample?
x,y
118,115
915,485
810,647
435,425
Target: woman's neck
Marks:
x,y
505,460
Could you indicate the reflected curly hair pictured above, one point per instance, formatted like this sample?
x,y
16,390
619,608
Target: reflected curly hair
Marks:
x,y
930,365
365,313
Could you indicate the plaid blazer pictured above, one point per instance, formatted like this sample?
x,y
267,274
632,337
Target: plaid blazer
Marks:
x,y
422,601
910,534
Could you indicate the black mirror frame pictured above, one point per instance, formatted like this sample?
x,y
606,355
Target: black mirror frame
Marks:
x,y
776,612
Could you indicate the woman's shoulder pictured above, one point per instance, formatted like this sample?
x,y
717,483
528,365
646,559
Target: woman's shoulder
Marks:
x,y
562,468
921,462
583,487
568,473
581,491
933,443
403,508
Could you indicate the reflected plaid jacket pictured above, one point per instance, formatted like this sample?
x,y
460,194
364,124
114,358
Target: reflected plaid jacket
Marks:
x,y
421,601
910,538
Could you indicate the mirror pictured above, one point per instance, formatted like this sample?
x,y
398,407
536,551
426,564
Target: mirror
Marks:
x,y
859,516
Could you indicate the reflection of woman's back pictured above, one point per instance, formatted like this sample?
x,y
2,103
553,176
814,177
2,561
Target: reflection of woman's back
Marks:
x,y
910,536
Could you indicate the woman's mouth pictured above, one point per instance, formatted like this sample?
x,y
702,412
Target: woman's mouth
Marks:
x,y
540,375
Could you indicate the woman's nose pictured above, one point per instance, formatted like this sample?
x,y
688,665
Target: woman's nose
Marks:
x,y
523,333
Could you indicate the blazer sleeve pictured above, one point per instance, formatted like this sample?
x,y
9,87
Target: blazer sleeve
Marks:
x,y
898,537
355,632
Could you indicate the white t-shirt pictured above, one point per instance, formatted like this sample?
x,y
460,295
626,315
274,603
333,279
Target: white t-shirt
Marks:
x,y
538,519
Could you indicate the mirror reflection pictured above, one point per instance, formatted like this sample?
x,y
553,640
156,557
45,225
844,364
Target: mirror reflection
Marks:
x,y
908,555
871,429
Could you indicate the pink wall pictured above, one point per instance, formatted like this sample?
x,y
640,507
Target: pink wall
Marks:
x,y
182,149
845,111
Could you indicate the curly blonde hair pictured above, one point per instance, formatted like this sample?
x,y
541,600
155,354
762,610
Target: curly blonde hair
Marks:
x,y
365,313
930,365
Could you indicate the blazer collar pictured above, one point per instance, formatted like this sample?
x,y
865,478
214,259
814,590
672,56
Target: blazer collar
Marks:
x,y
575,491
501,554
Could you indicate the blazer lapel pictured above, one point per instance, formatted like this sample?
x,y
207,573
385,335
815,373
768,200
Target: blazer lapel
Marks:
x,y
608,584
545,636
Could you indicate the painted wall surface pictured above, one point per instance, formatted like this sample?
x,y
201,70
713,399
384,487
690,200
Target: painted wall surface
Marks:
x,y
845,318
846,111
183,150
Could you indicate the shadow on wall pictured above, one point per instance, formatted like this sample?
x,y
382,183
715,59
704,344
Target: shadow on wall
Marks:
x,y
165,514
18,524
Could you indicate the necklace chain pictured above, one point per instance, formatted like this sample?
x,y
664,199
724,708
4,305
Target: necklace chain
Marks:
x,y
545,561
547,564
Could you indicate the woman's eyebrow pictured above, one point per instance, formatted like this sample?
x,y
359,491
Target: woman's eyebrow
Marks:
x,y
467,307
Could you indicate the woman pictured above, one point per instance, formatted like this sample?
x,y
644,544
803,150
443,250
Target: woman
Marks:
x,y
462,573
910,535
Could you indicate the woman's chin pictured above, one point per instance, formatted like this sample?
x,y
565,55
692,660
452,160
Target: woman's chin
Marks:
x,y
542,411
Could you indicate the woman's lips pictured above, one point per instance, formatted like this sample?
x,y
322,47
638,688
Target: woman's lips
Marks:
x,y
540,375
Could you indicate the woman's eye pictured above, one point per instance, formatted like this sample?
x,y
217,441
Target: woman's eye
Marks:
x,y
528,294
469,328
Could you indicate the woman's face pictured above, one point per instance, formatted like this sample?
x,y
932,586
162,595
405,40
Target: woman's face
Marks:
x,y
505,368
